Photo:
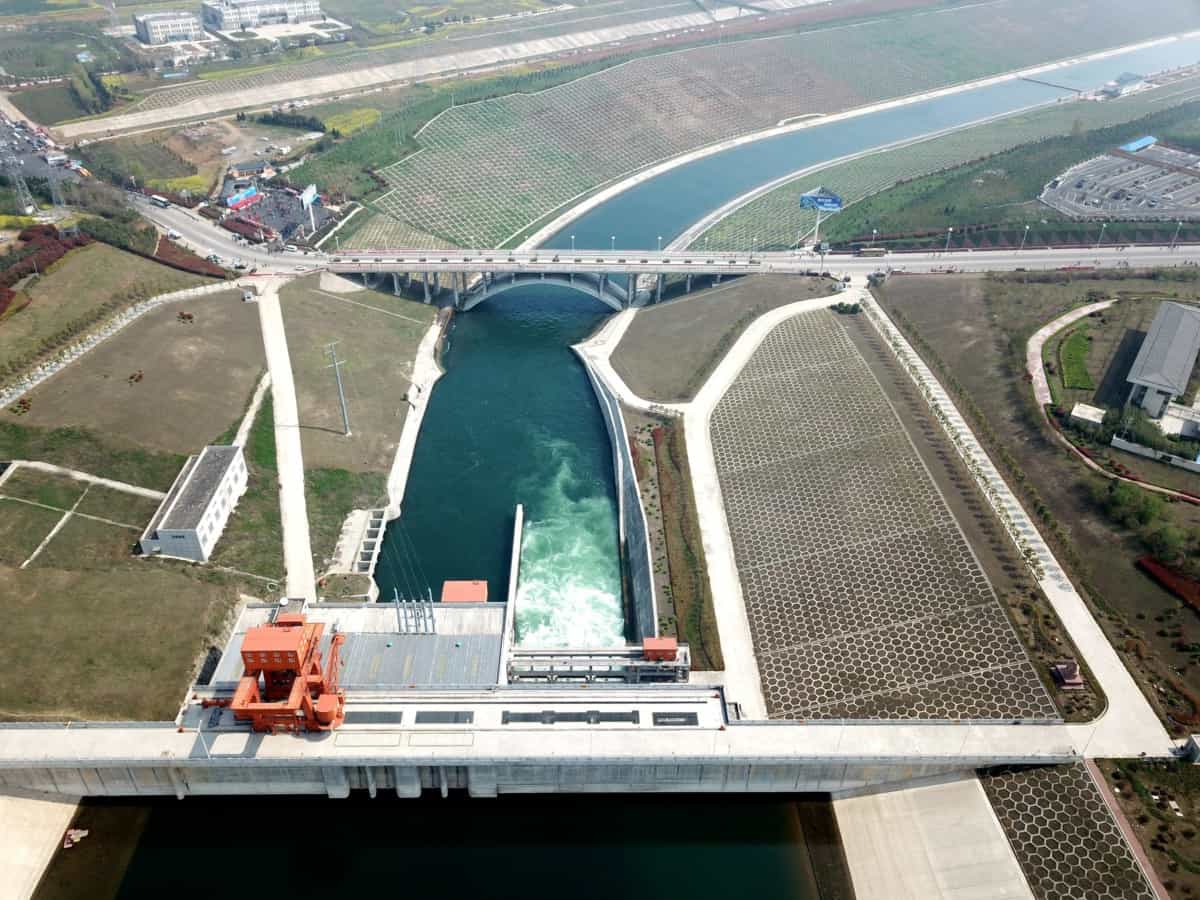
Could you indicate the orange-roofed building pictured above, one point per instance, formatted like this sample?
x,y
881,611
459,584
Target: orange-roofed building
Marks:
x,y
464,592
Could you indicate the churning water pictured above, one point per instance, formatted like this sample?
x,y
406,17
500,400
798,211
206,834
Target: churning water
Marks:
x,y
514,420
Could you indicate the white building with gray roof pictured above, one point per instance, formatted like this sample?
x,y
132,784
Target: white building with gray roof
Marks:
x,y
1164,363
192,517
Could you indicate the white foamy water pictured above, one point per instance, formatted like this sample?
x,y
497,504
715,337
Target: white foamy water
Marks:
x,y
569,589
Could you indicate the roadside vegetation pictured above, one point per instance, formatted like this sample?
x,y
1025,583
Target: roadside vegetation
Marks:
x,y
983,180
1161,801
972,331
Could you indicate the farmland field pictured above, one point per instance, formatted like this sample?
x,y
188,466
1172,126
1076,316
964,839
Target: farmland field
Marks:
x,y
897,176
679,101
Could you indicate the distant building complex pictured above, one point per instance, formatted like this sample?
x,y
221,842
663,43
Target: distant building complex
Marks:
x,y
1164,364
167,27
191,518
232,15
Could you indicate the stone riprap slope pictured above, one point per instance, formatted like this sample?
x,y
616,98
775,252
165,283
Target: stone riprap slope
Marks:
x,y
1063,834
487,170
863,596
774,220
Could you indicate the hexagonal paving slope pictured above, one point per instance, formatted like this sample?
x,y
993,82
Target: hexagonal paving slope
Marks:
x,y
1063,835
864,598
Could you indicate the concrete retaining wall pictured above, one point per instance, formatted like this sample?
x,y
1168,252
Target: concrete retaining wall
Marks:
x,y
634,532
1150,453
212,778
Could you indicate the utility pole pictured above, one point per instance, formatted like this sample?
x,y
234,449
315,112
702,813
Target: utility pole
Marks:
x,y
17,182
337,371
1175,238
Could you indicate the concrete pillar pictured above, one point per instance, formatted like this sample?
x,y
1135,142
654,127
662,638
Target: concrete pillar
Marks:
x,y
443,782
658,286
717,280
396,283
687,288
437,283
481,781
337,785
408,781
177,782
369,775
425,284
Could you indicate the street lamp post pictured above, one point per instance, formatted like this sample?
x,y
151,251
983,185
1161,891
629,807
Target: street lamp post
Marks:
x,y
753,246
613,243
1178,228
949,232
1100,239
1023,239
572,243
874,232
660,243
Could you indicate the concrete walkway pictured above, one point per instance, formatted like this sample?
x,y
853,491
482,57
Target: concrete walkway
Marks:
x,y
933,842
293,509
243,432
33,826
83,476
1129,726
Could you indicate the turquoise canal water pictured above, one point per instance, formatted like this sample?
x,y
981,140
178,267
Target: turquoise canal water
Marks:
x,y
514,420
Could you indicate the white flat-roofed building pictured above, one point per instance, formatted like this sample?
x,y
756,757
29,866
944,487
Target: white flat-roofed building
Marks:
x,y
232,15
167,27
1086,415
190,520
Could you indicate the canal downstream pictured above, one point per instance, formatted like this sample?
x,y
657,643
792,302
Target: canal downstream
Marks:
x,y
514,420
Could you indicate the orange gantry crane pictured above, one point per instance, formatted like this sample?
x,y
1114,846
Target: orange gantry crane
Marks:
x,y
295,694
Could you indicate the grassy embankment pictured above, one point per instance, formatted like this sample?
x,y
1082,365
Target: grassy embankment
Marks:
x,y
1001,191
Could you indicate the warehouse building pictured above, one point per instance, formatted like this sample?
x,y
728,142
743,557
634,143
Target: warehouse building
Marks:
x,y
1165,361
190,520
167,27
232,15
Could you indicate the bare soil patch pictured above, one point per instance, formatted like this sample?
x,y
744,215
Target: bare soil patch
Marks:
x,y
195,377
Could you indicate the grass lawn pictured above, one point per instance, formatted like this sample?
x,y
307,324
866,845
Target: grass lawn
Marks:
x,y
1073,352
103,643
49,105
87,544
85,286
331,494
101,455
253,538
22,527
118,506
1171,841
377,335
59,491
669,350
196,377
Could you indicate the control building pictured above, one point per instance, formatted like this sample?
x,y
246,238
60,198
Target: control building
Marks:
x,y
167,27
191,518
232,15
1164,363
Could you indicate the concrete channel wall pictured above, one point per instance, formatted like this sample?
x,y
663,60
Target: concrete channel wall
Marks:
x,y
216,778
634,532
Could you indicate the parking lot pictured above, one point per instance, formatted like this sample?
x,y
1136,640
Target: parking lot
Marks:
x,y
1154,183
280,210
24,149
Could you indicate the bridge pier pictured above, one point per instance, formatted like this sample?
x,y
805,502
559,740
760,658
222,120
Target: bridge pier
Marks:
x,y
687,287
437,283
396,290
425,284
717,280
658,287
